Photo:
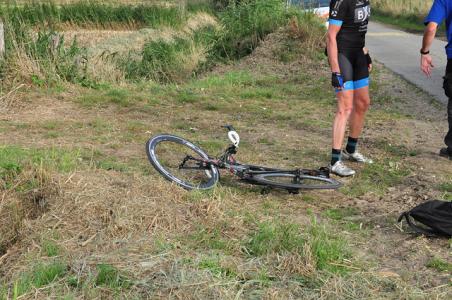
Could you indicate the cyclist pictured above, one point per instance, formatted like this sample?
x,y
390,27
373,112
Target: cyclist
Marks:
x,y
441,9
350,65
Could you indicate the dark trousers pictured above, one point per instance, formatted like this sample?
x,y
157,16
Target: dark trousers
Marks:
x,y
448,91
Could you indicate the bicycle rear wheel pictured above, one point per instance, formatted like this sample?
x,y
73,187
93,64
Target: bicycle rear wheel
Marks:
x,y
291,181
168,153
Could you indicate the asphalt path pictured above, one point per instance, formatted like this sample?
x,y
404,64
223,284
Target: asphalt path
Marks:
x,y
399,51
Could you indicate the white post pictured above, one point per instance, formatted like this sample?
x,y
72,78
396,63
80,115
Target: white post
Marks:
x,y
2,40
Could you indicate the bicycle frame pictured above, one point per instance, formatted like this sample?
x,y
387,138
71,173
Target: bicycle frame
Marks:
x,y
243,171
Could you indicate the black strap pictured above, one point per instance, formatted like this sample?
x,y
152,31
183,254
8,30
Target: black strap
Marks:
x,y
417,229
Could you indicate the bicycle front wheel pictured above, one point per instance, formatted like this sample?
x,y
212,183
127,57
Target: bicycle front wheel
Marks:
x,y
168,153
291,181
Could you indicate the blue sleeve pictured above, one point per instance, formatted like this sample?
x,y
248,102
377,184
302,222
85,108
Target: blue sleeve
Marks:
x,y
338,12
437,13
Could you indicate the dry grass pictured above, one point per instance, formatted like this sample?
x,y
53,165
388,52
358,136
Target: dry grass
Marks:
x,y
131,2
25,196
169,243
106,46
403,7
8,100
311,37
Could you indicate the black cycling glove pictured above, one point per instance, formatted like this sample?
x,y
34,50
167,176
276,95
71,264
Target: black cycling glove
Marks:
x,y
337,81
369,60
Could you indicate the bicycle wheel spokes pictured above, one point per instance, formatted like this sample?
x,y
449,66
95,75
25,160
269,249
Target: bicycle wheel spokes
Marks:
x,y
171,155
292,181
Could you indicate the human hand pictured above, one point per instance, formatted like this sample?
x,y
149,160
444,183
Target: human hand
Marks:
x,y
337,81
369,62
427,64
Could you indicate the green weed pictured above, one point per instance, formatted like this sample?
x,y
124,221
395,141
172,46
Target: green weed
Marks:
x,y
212,146
400,151
109,276
210,238
12,158
264,278
50,125
50,248
41,275
3,291
340,213
187,96
214,266
227,80
439,265
111,164
275,238
377,178
98,159
446,187
328,248
120,97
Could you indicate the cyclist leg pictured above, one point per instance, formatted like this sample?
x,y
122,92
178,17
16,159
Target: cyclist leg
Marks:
x,y
448,91
448,138
361,102
361,98
344,101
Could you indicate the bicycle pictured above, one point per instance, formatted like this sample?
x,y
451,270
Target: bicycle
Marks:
x,y
187,165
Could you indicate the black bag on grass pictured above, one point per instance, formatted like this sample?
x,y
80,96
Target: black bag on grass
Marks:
x,y
436,215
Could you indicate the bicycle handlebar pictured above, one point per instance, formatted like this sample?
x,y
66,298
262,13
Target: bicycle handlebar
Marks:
x,y
229,127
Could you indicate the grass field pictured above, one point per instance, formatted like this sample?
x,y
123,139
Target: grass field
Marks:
x,y
406,14
89,218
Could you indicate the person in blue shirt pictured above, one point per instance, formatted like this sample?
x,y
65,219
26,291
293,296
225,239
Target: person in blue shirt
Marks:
x,y
441,10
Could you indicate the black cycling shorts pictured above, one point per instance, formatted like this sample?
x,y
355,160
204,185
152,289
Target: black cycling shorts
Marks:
x,y
354,69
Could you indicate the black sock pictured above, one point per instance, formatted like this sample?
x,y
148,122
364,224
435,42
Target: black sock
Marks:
x,y
351,145
335,156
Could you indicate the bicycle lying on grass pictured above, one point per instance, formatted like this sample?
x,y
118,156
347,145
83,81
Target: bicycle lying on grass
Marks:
x,y
184,163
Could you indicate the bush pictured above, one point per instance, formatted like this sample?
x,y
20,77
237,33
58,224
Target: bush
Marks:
x,y
246,24
171,61
41,57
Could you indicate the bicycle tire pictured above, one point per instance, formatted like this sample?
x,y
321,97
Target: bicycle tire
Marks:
x,y
268,179
151,149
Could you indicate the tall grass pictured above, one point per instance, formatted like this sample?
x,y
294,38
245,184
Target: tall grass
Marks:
x,y
403,7
171,61
161,61
407,14
243,25
41,57
246,24
93,13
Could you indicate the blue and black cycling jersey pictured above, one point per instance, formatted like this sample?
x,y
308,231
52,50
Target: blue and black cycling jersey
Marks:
x,y
353,17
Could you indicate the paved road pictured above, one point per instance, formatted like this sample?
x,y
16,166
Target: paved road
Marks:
x,y
399,51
